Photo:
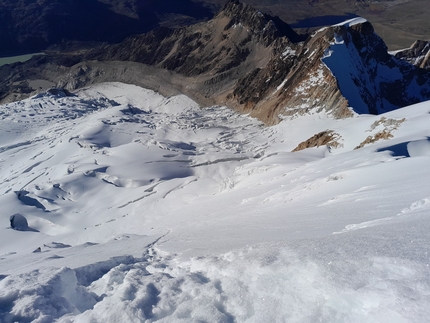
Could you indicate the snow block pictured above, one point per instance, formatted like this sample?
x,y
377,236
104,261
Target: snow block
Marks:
x,y
419,148
19,222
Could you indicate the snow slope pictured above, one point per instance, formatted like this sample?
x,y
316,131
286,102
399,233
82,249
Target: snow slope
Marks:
x,y
151,209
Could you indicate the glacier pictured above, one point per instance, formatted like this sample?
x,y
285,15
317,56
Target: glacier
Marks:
x,y
152,209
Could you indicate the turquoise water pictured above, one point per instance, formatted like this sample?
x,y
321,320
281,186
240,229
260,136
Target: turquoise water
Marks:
x,y
14,59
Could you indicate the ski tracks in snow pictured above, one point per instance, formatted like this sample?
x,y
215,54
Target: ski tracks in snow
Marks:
x,y
418,207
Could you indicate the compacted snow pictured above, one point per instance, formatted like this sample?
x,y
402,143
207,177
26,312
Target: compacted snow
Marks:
x,y
141,208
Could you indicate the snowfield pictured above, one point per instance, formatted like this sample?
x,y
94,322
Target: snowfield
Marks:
x,y
141,208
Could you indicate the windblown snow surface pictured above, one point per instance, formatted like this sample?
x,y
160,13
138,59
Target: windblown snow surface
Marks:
x,y
142,208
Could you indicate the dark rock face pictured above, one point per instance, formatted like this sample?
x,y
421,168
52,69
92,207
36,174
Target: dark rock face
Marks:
x,y
418,54
246,60
268,26
33,25
217,46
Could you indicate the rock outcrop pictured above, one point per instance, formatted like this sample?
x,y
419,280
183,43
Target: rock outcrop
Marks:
x,y
325,138
418,54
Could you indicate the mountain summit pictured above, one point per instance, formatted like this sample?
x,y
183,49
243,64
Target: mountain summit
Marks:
x,y
346,65
247,60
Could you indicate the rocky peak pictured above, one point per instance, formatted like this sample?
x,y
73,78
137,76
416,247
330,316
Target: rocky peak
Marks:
x,y
248,16
270,28
418,54
340,69
222,49
369,78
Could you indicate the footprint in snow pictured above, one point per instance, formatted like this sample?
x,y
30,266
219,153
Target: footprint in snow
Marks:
x,y
56,245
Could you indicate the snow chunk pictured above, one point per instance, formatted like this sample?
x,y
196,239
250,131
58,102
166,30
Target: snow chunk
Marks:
x,y
419,148
238,25
338,39
18,222
288,51
352,22
43,296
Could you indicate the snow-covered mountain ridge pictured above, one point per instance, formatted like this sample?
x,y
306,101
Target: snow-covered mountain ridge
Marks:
x,y
337,69
246,60
151,209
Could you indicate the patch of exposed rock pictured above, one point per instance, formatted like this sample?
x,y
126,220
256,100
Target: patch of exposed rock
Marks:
x,y
388,127
381,135
324,138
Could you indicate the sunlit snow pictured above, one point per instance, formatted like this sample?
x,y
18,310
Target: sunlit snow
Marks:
x,y
142,208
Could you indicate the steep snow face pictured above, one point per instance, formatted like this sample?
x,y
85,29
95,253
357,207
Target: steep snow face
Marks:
x,y
343,62
370,79
142,208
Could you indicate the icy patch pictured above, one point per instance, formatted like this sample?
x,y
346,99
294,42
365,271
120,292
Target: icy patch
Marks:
x,y
327,53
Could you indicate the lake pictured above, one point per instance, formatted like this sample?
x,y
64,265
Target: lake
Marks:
x,y
322,21
19,58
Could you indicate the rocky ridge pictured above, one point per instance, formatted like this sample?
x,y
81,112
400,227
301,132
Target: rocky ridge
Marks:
x,y
418,54
246,60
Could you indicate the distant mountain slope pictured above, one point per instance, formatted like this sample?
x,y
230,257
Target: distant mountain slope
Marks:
x,y
226,41
249,61
30,25
343,66
398,22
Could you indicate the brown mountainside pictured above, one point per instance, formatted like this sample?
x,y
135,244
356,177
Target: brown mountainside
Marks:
x,y
247,60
